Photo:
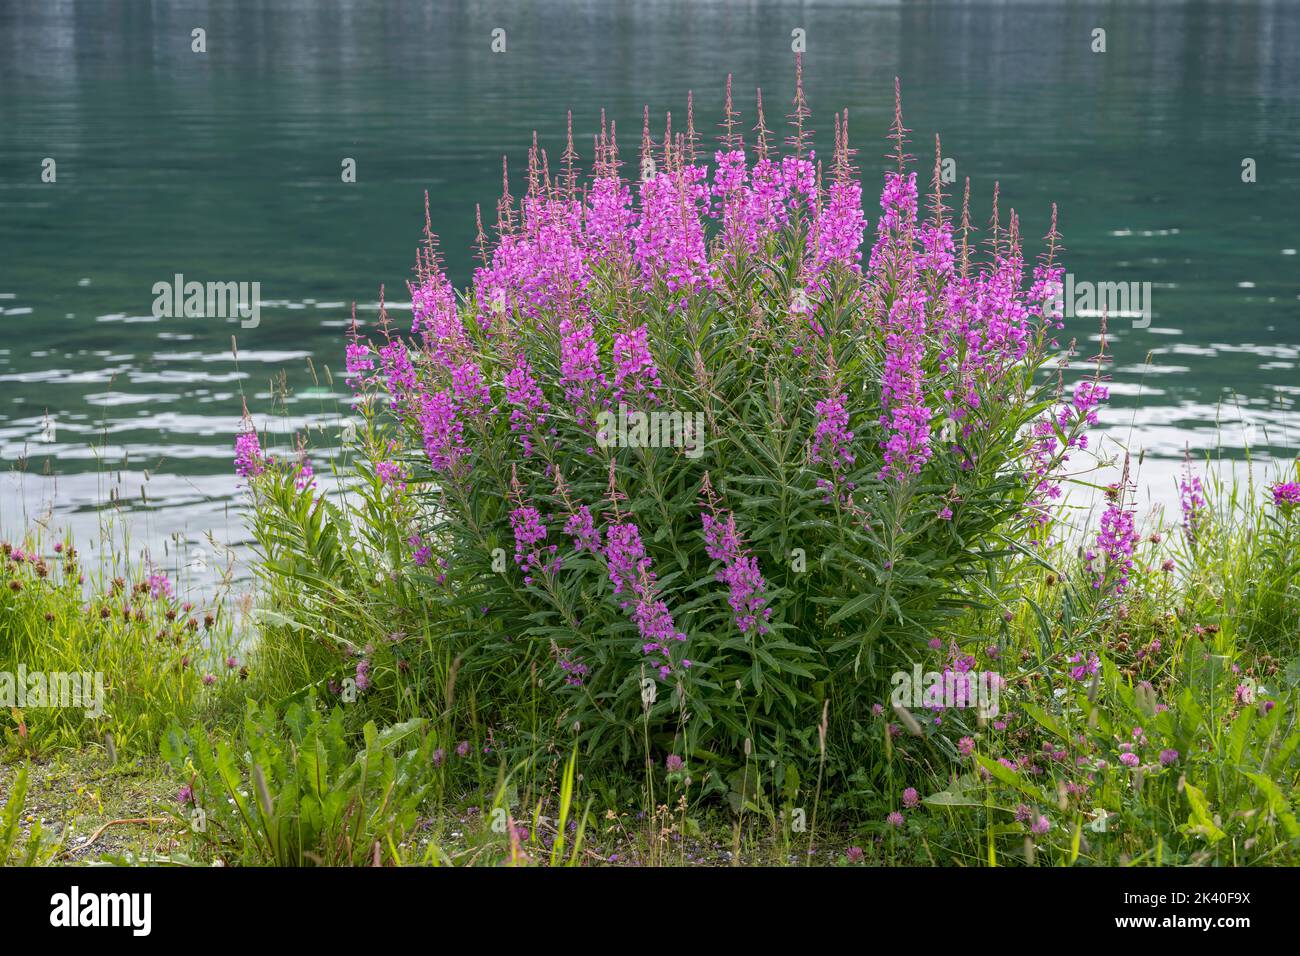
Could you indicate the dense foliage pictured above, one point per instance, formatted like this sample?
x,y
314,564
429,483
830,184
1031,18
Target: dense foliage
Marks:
x,y
686,456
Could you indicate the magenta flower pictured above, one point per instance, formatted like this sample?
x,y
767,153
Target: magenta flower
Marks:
x,y
444,433
580,526
668,240
1115,543
392,474
1286,494
249,461
636,377
529,409
470,395
1085,669
831,436
1191,499
159,586
304,478
580,375
747,589
629,571
911,798
399,373
532,554
435,319
359,360
575,671
421,552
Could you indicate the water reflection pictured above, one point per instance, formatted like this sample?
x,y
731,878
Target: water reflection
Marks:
x,y
225,166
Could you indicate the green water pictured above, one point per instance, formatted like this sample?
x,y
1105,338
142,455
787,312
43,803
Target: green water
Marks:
x,y
225,166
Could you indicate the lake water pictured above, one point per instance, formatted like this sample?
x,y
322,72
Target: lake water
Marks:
x,y
225,166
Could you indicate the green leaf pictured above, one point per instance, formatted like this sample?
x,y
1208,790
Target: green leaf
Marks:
x,y
1277,802
1200,820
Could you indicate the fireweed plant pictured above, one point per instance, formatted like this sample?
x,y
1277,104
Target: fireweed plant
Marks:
x,y
884,440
